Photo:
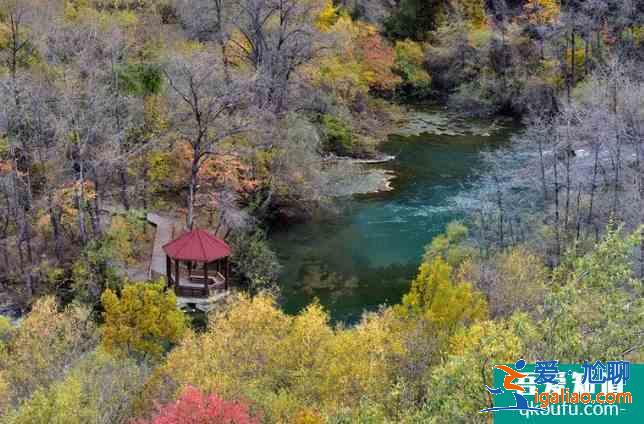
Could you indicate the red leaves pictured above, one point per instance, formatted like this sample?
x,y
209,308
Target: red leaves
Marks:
x,y
194,407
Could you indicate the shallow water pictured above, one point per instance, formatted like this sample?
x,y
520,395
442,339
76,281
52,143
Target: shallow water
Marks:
x,y
367,255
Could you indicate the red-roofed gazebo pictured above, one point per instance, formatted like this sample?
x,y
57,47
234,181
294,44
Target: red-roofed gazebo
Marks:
x,y
192,248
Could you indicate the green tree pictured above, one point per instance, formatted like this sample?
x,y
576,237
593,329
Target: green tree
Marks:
x,y
410,65
596,306
144,321
413,19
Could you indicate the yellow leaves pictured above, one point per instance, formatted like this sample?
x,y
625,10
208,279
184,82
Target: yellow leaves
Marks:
x,y
66,198
472,11
363,60
480,37
239,46
4,393
287,364
343,76
155,114
410,50
308,416
43,345
125,235
638,35
409,63
440,301
73,9
488,339
99,388
327,17
542,12
5,35
144,321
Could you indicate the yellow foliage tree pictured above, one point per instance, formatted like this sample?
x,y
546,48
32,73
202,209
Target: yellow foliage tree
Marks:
x,y
144,321
472,11
361,60
327,17
45,344
542,12
473,353
100,388
288,365
440,301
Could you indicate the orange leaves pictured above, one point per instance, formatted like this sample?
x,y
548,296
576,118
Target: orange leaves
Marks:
x,y
378,61
228,170
5,167
361,60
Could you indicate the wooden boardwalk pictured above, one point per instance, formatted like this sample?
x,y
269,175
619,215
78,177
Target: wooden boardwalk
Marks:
x,y
165,232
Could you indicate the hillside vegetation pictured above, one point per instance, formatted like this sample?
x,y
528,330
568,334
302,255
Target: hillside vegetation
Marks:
x,y
231,115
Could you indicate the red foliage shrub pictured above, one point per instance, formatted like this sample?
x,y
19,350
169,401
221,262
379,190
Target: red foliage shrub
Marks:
x,y
194,407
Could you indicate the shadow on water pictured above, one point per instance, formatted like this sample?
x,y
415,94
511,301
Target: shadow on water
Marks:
x,y
368,254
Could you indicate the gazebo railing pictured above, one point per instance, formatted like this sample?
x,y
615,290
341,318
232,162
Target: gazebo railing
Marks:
x,y
194,285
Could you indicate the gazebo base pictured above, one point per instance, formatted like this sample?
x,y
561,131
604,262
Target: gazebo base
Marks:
x,y
204,304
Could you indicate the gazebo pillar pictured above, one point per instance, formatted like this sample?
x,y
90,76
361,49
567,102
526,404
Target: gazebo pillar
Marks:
x,y
168,272
176,276
205,278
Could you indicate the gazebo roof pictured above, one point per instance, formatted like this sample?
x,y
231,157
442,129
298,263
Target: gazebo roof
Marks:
x,y
197,245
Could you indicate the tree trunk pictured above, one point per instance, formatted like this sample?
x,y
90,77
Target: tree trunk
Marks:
x,y
557,218
80,195
54,214
593,185
586,55
194,171
572,56
542,168
618,156
96,215
123,180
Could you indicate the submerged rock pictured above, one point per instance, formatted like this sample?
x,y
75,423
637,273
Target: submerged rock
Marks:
x,y
443,122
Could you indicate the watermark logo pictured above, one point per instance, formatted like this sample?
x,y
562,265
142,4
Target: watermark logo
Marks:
x,y
508,384
594,391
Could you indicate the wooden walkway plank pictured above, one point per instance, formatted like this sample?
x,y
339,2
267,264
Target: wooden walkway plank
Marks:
x,y
164,234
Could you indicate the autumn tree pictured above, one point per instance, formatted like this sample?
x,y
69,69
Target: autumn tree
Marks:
x,y
435,297
19,51
207,109
473,352
99,389
195,407
283,363
143,322
43,347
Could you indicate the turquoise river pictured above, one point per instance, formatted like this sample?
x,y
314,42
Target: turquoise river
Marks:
x,y
367,254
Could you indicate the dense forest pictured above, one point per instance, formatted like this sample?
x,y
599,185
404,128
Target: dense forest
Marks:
x,y
237,116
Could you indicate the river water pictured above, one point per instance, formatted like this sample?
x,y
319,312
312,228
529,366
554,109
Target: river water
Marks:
x,y
368,253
